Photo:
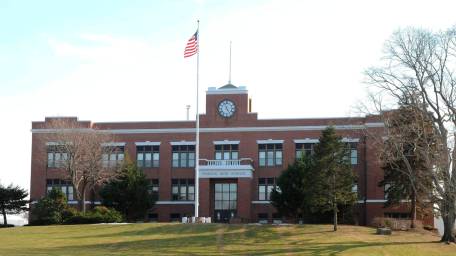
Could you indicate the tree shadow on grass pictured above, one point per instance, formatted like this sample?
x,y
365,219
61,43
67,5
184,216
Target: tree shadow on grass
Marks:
x,y
202,240
206,245
175,239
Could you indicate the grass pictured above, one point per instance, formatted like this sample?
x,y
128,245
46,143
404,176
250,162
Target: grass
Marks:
x,y
215,239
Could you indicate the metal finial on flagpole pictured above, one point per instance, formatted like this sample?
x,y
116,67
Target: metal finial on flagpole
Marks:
x,y
229,73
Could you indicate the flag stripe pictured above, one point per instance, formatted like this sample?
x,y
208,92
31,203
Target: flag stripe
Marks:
x,y
192,46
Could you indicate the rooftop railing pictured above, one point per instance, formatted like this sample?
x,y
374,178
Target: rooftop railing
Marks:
x,y
236,162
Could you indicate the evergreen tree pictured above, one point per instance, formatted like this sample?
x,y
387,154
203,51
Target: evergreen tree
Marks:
x,y
293,193
50,209
333,174
12,201
129,192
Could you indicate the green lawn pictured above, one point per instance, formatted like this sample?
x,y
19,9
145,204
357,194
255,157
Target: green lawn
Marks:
x,y
215,239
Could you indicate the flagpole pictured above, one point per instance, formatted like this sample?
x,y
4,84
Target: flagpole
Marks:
x,y
197,129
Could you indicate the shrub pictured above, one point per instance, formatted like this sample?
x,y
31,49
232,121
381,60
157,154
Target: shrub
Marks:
x,y
99,214
6,226
48,210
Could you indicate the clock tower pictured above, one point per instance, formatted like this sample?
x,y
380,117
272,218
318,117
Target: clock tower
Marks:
x,y
227,105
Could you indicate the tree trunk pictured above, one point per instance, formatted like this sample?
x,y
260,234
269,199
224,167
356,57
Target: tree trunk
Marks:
x,y
413,211
82,199
4,217
448,226
335,216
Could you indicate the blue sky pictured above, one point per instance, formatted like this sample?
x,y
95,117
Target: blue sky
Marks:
x,y
25,27
123,60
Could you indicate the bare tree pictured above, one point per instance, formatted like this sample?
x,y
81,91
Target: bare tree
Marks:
x,y
85,156
406,175
420,64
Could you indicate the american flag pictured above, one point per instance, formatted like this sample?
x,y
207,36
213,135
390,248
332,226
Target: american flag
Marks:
x,y
192,46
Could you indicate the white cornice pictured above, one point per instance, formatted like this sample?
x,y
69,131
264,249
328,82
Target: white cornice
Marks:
x,y
375,125
238,90
227,129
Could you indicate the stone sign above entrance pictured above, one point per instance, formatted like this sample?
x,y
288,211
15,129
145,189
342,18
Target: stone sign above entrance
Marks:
x,y
225,173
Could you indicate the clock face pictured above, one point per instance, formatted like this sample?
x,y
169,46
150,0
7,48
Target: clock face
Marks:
x,y
226,108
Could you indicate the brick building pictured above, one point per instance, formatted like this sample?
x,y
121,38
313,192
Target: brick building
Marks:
x,y
240,158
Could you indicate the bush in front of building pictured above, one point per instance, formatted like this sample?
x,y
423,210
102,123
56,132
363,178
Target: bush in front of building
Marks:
x,y
50,209
129,192
53,209
99,214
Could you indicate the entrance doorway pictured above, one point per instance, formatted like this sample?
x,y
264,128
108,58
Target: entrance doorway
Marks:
x,y
225,201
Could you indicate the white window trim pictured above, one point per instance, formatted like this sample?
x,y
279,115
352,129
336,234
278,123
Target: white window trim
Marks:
x,y
307,140
148,143
270,141
350,139
113,144
183,142
55,143
226,142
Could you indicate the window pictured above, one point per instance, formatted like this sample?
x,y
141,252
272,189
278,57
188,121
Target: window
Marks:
x,y
183,156
148,156
225,196
302,149
352,152
227,152
56,156
113,156
270,154
64,185
183,189
265,187
154,187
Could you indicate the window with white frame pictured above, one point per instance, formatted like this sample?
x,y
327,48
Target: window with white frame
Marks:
x,y
183,189
270,154
265,187
352,151
304,149
64,185
154,187
148,156
183,156
227,152
56,156
113,156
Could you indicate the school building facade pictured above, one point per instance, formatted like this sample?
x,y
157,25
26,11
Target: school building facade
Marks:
x,y
241,157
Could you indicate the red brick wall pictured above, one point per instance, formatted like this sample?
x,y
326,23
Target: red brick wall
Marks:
x,y
368,170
